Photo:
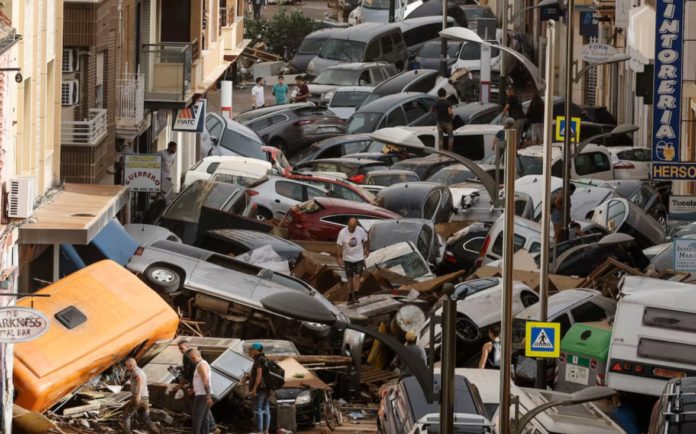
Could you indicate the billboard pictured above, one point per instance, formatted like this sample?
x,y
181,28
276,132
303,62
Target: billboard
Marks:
x,y
142,173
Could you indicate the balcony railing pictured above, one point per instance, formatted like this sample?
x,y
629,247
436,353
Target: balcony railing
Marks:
x,y
131,104
168,70
89,132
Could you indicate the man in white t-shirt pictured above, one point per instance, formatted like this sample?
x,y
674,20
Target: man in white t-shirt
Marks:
x,y
258,99
352,249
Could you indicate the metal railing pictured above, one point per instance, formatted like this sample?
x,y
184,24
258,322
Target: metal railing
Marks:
x,y
89,132
167,70
131,104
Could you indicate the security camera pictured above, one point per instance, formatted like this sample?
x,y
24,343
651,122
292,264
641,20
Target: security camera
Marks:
x,y
18,77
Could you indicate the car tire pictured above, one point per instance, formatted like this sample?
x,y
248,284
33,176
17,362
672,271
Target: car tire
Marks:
x,y
162,278
262,214
315,330
466,330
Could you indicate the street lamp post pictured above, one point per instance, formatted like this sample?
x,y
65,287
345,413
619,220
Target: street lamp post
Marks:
x,y
594,393
567,136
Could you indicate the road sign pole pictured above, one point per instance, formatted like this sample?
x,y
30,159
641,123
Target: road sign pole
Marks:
x,y
546,202
508,251
449,353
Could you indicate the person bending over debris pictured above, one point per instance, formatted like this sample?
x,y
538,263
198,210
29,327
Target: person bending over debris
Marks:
x,y
139,401
352,249
257,388
202,400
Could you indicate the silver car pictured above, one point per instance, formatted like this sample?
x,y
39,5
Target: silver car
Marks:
x,y
218,289
274,195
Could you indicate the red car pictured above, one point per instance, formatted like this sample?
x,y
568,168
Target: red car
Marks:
x,y
337,188
277,159
322,218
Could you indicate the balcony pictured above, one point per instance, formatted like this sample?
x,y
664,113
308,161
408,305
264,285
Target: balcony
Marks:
x,y
233,36
131,101
88,132
168,72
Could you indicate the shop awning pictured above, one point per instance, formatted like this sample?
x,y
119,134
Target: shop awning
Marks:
x,y
74,215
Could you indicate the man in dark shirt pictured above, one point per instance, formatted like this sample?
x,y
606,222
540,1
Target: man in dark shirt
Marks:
x,y
443,109
302,89
513,109
258,389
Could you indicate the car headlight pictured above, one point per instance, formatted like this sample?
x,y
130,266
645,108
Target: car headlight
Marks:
x,y
310,66
330,94
304,398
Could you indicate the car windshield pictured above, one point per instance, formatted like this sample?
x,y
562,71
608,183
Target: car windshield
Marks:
x,y
229,178
476,13
243,145
340,49
376,4
348,99
187,205
310,46
389,179
472,51
338,77
363,123
518,330
449,176
410,265
431,50
530,165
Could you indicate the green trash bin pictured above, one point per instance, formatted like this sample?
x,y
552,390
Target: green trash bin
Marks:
x,y
583,358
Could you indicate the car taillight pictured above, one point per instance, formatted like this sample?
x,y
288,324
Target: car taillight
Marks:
x,y
252,192
668,373
482,254
358,179
624,165
139,251
449,257
304,122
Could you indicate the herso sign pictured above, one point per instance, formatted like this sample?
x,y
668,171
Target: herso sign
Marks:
x,y
21,324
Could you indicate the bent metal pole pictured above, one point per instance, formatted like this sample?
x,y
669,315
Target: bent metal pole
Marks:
x,y
508,251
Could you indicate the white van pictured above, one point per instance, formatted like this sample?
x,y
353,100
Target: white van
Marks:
x,y
241,171
206,168
654,335
474,142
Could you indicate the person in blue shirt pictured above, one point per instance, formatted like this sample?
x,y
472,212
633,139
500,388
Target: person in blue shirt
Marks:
x,y
280,91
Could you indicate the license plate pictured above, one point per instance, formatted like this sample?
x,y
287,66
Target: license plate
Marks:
x,y
577,374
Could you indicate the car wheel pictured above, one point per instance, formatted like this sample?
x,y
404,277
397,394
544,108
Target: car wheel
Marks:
x,y
163,278
466,330
263,214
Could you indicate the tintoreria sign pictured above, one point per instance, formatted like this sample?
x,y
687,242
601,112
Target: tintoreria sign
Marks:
x,y
21,324
669,26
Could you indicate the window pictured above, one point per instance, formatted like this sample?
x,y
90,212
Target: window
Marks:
x,y
313,192
431,203
337,219
425,84
343,50
276,119
353,147
342,192
212,167
289,189
364,79
396,118
377,75
214,126
414,110
260,124
641,197
635,155
665,350
310,46
387,44
518,243
372,52
565,323
428,140
557,169
397,40
588,312
669,319
332,152
474,245
420,34
424,241
348,99
591,162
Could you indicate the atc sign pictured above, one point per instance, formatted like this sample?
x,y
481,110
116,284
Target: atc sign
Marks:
x,y
21,324
542,339
669,26
190,119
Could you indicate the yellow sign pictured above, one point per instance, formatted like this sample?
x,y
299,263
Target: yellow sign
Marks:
x,y
542,339
574,129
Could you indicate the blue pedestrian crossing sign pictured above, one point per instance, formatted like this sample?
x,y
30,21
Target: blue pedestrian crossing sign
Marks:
x,y
542,339
574,129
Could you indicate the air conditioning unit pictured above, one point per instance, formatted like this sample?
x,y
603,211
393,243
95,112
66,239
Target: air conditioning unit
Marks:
x,y
20,201
70,92
70,63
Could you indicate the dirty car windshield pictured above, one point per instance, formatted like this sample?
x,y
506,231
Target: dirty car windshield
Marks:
x,y
187,206
243,145
339,77
340,49
363,122
410,265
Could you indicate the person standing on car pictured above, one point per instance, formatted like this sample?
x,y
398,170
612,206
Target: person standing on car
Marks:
x,y
352,249
168,156
202,399
140,398
443,109
280,91
302,94
513,109
258,389
258,99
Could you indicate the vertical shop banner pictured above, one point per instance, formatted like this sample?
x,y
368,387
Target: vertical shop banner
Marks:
x,y
669,27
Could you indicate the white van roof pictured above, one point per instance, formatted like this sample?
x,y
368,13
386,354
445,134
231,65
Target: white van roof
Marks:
x,y
475,129
657,292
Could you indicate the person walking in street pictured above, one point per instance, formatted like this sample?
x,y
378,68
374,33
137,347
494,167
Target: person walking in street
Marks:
x,y
202,399
557,207
258,389
535,120
352,249
513,109
302,89
443,109
280,91
168,156
140,398
257,5
490,352
258,99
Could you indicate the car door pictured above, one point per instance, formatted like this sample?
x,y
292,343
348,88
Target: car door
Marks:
x,y
596,165
287,194
414,111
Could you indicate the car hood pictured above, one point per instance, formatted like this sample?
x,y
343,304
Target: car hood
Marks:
x,y
483,308
321,88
